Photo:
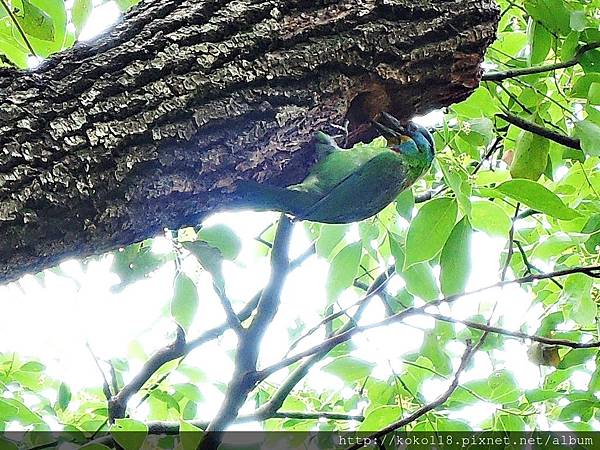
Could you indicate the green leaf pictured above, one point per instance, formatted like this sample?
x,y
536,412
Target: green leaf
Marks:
x,y
435,352
211,260
16,52
184,303
455,261
329,237
420,281
589,135
419,278
380,417
444,425
23,414
129,434
509,43
190,391
343,269
124,5
552,14
429,230
581,87
594,93
530,156
577,293
223,238
190,410
94,446
135,262
479,104
584,409
458,182
553,247
64,396
569,47
592,227
32,366
481,131
540,395
500,387
405,203
510,422
540,42
537,197
80,13
35,21
349,369
7,411
577,20
577,357
190,435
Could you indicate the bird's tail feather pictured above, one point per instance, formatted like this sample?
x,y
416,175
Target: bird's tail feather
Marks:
x,y
263,197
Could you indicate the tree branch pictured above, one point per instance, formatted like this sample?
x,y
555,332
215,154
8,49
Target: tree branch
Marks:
x,y
466,357
541,131
243,380
165,355
117,405
328,344
512,73
516,334
375,289
277,399
529,268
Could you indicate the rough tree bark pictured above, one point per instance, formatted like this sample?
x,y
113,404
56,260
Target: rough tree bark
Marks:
x,y
152,125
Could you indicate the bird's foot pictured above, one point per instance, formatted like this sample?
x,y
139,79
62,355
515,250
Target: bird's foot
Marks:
x,y
344,134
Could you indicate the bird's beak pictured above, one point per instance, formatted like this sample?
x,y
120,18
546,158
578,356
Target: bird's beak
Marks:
x,y
389,126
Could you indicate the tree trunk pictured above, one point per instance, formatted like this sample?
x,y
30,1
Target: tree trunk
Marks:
x,y
153,124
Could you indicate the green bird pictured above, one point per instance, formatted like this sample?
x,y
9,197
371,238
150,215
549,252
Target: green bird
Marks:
x,y
349,185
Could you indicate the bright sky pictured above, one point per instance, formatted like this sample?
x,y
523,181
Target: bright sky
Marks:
x,y
53,318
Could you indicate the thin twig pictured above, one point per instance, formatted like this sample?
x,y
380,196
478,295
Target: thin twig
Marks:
x,y
487,155
541,131
19,28
428,195
527,213
380,283
277,399
105,385
512,73
466,357
530,266
160,427
232,318
516,334
328,344
511,238
113,377
156,361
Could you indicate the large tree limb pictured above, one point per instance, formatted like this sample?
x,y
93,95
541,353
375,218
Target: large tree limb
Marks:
x,y
153,124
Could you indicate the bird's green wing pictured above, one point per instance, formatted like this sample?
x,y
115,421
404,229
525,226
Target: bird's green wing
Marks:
x,y
363,193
